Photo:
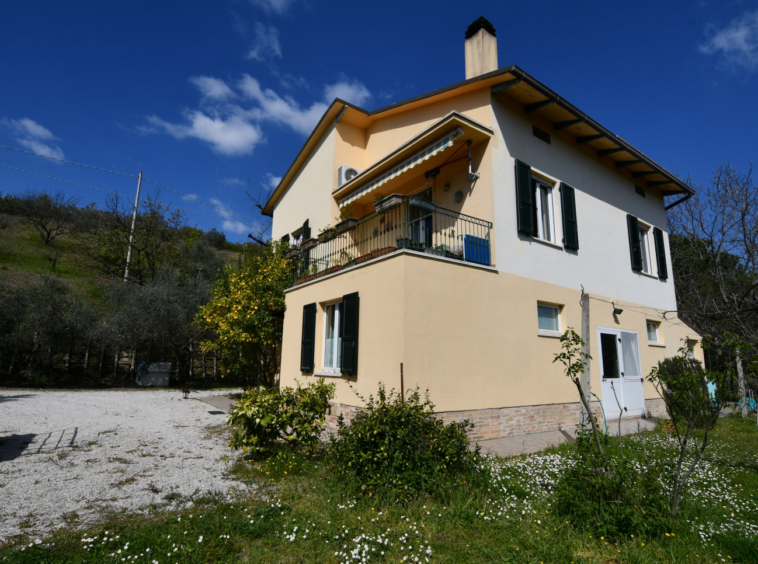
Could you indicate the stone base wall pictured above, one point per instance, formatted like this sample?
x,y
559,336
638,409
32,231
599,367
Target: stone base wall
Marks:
x,y
501,422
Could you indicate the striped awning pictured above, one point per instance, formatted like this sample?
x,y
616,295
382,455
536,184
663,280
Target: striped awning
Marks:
x,y
418,158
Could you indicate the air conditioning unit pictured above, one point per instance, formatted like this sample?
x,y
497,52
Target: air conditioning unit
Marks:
x,y
346,174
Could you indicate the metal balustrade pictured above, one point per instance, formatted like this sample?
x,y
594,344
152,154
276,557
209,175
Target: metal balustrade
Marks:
x,y
404,223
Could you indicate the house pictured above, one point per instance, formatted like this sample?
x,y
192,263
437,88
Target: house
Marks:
x,y
458,233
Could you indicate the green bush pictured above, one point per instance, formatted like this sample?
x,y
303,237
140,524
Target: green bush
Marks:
x,y
625,500
397,449
294,415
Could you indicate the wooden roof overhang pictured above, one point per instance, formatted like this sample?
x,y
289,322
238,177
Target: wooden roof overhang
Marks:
x,y
536,98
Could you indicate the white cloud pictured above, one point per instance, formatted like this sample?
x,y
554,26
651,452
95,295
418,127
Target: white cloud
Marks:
x,y
235,128
266,44
33,136
273,6
283,110
212,88
230,224
350,91
232,136
271,181
233,182
190,197
737,43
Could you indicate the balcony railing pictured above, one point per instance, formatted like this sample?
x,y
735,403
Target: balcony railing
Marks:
x,y
404,223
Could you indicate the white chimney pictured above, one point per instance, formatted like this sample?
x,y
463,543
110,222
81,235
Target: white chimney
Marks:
x,y
481,48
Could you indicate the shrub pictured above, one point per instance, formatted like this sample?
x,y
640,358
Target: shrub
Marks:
x,y
396,448
294,415
627,499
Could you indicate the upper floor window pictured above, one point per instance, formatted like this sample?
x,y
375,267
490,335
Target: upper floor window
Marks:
x,y
545,215
642,232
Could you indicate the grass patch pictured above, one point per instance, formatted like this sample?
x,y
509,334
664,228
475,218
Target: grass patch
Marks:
x,y
302,514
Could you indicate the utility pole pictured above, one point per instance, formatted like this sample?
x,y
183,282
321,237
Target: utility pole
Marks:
x,y
131,233
586,336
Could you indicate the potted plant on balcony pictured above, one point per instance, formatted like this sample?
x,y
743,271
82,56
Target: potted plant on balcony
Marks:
x,y
327,234
308,244
382,204
416,202
292,252
345,220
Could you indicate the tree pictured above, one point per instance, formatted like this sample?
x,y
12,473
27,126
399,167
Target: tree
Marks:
x,y
157,233
683,386
714,250
246,312
51,214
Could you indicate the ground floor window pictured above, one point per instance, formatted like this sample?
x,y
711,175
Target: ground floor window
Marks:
x,y
332,339
548,320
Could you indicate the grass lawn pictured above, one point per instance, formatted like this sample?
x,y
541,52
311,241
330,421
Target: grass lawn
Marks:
x,y
301,515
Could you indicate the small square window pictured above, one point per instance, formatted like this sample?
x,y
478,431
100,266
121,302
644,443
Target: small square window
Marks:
x,y
548,320
652,331
691,349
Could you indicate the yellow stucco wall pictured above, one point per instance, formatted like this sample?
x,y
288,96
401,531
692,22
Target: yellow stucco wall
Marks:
x,y
467,334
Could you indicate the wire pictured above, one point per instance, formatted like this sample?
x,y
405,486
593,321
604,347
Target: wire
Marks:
x,y
196,199
122,195
67,181
69,162
187,196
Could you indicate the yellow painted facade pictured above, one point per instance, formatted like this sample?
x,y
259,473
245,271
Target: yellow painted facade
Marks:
x,y
467,334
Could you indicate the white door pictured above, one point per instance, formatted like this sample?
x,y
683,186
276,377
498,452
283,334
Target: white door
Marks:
x,y
620,373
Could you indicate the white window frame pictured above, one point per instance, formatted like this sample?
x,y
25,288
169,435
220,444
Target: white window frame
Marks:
x,y
657,326
539,186
331,370
644,236
296,237
691,344
546,332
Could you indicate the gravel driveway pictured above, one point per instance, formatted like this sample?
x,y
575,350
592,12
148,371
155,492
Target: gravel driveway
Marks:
x,y
69,457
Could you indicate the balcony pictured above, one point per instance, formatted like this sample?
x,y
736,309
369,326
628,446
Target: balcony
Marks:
x,y
400,223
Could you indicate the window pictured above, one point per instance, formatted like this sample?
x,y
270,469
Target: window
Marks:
x,y
332,338
644,249
548,320
652,332
691,349
544,200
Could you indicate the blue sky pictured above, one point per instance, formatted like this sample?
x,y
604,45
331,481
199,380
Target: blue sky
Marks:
x,y
210,97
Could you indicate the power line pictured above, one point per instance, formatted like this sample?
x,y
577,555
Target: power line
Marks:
x,y
196,199
69,162
119,193
62,180
187,196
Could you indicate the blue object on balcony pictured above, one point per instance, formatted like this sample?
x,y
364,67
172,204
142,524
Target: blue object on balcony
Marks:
x,y
476,249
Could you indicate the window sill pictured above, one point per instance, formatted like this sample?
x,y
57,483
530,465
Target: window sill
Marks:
x,y
548,243
642,273
329,374
551,334
661,345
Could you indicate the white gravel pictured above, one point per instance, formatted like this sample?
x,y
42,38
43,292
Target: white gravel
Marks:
x,y
88,452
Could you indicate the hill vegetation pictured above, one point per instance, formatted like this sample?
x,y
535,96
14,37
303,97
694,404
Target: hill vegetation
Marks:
x,y
66,315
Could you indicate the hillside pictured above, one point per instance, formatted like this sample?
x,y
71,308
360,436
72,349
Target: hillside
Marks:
x,y
23,257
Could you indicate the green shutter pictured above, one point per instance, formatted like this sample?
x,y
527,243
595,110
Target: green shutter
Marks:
x,y
349,330
635,249
568,211
525,204
306,231
286,238
660,254
307,346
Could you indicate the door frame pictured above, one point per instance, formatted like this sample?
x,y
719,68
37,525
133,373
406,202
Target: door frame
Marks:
x,y
624,409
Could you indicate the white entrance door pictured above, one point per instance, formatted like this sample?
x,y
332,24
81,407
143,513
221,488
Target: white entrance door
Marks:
x,y
621,372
